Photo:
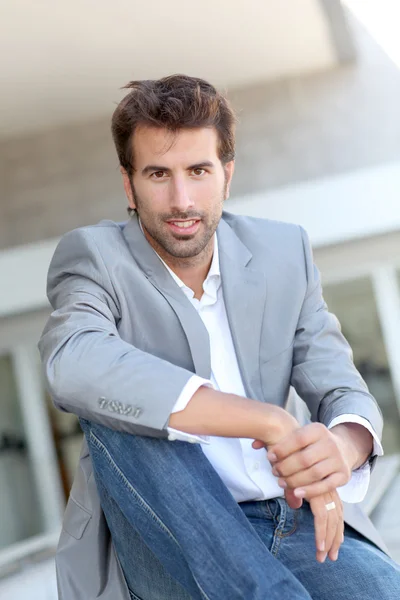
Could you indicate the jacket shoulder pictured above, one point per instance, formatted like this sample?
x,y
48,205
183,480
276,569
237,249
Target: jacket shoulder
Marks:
x,y
258,233
103,230
90,239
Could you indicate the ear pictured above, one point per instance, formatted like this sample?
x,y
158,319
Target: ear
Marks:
x,y
229,169
128,188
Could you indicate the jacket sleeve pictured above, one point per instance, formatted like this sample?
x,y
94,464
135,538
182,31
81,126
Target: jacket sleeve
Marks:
x,y
323,371
89,370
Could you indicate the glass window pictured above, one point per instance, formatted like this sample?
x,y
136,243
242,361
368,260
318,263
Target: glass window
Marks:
x,y
353,302
20,515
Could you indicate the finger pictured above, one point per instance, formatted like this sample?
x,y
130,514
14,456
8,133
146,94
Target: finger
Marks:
x,y
314,474
320,525
339,535
322,487
292,501
337,541
332,527
257,444
298,439
298,461
306,458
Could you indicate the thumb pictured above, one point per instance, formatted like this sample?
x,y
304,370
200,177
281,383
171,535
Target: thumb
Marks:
x,y
292,500
257,444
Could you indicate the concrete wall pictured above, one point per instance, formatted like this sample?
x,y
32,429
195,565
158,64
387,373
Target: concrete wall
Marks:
x,y
294,130
320,125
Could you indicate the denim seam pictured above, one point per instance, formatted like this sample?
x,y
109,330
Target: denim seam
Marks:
x,y
141,501
282,522
284,535
278,535
276,542
268,510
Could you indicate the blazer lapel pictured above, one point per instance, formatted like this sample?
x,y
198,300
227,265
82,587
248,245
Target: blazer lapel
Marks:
x,y
244,295
194,328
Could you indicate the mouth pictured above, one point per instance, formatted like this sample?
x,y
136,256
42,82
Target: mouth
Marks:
x,y
184,226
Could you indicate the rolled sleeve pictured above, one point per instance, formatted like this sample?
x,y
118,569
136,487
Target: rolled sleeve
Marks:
x,y
185,396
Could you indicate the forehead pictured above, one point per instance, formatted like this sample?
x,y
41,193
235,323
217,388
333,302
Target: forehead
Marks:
x,y
150,143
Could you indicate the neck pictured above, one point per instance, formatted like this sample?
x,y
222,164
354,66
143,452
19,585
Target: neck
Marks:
x,y
192,270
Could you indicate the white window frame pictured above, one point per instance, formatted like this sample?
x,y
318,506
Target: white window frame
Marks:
x,y
40,443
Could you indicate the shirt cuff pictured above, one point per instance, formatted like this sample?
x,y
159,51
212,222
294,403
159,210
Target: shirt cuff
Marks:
x,y
377,449
355,490
185,396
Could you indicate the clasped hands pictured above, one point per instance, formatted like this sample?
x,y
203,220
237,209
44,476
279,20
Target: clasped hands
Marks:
x,y
311,462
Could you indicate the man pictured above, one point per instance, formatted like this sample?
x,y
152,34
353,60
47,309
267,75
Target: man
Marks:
x,y
188,324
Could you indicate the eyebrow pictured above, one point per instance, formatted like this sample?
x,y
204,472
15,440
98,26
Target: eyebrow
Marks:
x,y
154,168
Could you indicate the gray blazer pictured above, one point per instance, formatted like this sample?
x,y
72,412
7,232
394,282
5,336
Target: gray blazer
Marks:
x,y
123,340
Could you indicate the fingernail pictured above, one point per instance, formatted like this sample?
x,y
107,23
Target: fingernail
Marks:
x,y
323,557
321,546
275,472
335,556
272,457
282,483
299,493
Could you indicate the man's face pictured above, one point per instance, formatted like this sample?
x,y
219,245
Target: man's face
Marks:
x,y
179,186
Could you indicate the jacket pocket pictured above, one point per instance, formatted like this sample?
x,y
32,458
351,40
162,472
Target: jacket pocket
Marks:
x,y
76,519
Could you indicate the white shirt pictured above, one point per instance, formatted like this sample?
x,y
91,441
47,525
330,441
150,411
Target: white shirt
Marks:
x,y
245,471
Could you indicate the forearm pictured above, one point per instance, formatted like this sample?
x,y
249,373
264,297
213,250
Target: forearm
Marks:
x,y
215,413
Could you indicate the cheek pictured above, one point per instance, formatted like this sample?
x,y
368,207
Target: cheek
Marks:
x,y
153,198
207,192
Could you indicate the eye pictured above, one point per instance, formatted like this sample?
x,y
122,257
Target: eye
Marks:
x,y
199,171
158,175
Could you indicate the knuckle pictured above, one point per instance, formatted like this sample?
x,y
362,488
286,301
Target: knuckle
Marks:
x,y
333,449
306,460
302,436
347,473
339,479
318,471
291,481
330,483
320,429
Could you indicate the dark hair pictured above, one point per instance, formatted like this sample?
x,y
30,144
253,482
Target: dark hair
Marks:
x,y
174,103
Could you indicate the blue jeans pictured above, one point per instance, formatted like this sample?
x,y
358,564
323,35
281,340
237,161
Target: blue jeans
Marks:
x,y
179,533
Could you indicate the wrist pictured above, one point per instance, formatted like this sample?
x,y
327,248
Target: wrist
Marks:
x,y
279,424
356,443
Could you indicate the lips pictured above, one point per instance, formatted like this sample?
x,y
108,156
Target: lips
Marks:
x,y
184,227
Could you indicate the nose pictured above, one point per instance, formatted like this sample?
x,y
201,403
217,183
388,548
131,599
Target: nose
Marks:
x,y
180,200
